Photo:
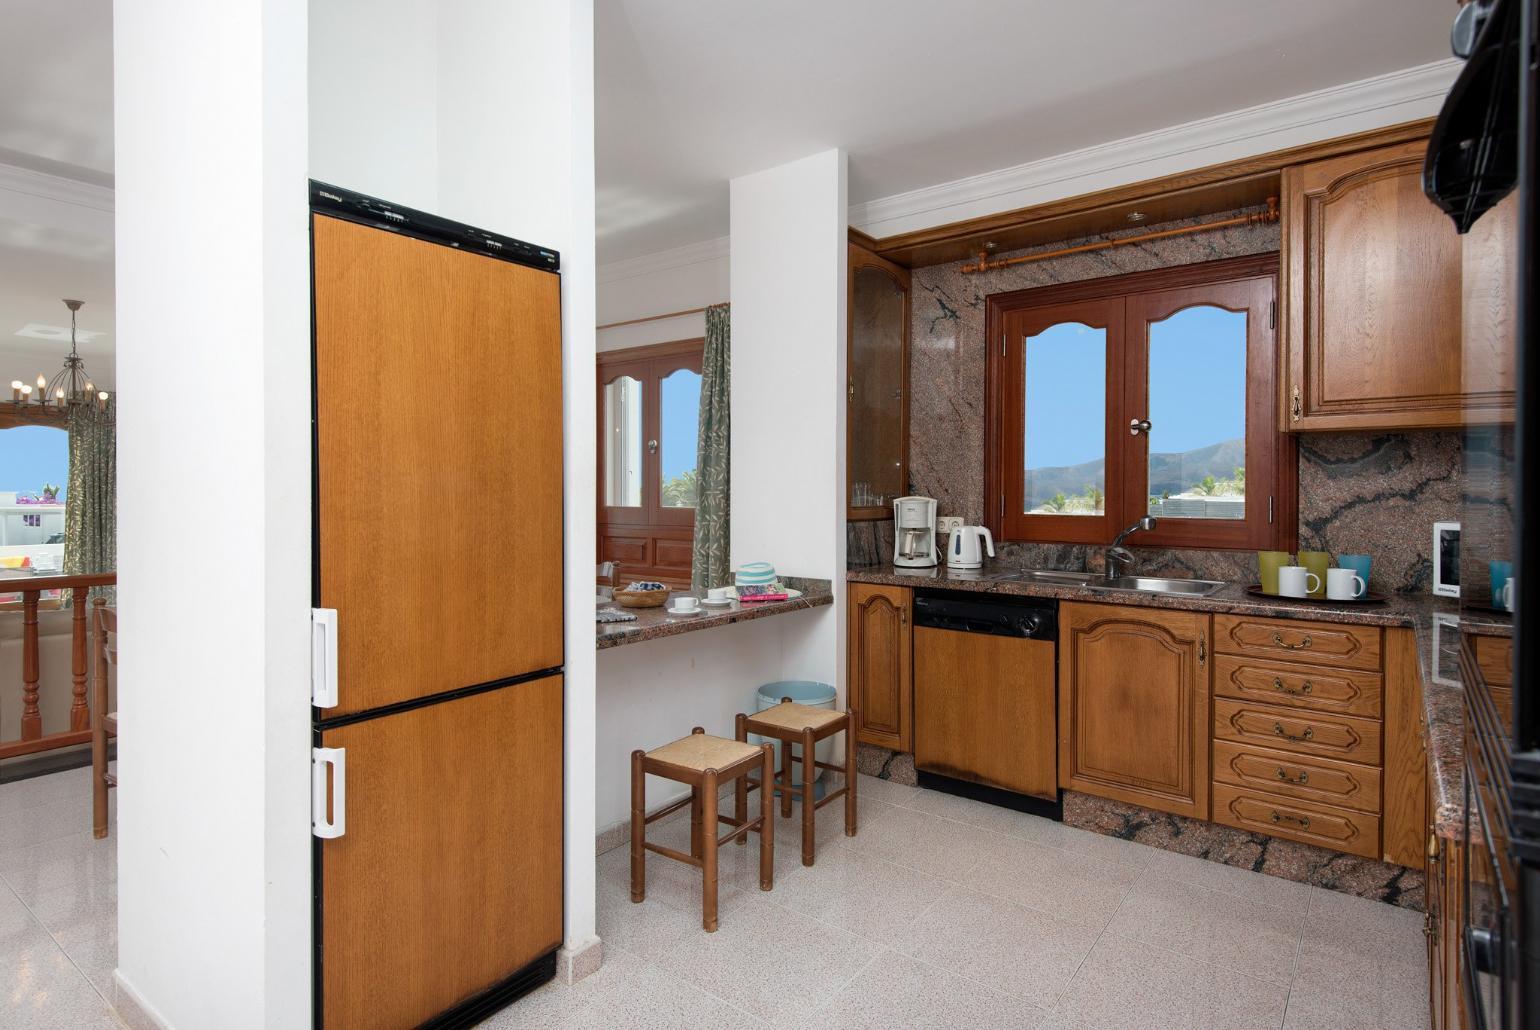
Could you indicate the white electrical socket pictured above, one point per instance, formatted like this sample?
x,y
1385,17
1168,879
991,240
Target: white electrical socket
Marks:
x,y
946,523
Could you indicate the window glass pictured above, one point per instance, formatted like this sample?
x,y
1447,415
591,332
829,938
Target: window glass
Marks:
x,y
34,466
1065,430
679,395
1197,414
623,443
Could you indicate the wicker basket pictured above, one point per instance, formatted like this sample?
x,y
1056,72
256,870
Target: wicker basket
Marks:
x,y
641,598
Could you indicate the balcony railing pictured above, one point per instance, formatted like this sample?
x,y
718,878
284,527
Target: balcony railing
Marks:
x,y
31,589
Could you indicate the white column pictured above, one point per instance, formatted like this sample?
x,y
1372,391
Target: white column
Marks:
x,y
788,261
213,502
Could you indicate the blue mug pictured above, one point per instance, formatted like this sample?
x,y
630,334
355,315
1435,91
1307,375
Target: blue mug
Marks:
x,y
1501,571
1359,563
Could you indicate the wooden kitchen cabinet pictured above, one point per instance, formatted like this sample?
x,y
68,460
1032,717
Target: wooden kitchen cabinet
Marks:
x,y
1372,289
1134,705
881,672
877,390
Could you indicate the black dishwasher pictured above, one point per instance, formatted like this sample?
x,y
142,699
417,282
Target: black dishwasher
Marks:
x,y
986,698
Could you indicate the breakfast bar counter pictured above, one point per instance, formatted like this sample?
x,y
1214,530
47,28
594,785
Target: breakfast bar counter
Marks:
x,y
654,623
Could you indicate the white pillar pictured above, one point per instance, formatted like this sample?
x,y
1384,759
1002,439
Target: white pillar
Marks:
x,y
788,244
213,503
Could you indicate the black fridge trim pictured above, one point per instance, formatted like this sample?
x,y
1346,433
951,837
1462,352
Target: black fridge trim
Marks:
x,y
476,1009
324,723
350,206
997,796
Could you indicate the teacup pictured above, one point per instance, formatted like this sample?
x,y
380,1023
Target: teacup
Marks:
x,y
685,603
1294,581
1344,585
719,594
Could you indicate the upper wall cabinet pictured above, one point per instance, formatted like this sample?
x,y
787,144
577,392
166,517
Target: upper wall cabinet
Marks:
x,y
877,391
1372,284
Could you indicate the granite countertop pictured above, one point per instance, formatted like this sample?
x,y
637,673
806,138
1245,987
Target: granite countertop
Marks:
x,y
653,623
1435,621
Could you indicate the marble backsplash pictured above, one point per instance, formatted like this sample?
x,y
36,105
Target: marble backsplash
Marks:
x,y
1373,493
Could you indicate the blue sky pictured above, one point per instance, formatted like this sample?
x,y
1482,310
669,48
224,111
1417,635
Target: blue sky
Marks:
x,y
1197,355
31,456
681,418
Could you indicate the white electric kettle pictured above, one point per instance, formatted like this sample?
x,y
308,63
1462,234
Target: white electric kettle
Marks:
x,y
963,551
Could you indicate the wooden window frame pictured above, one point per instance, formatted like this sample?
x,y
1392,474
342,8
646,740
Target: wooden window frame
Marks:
x,y
1126,305
650,364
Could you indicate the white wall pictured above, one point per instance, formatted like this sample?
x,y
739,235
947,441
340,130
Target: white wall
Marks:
x,y
695,276
493,150
213,822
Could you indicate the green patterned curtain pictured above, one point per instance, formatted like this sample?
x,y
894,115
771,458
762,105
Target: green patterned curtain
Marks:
x,y
711,454
90,500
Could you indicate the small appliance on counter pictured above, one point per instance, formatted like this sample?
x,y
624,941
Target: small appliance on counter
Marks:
x,y
965,550
914,532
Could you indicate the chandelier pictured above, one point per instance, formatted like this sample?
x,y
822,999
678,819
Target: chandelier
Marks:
x,y
70,385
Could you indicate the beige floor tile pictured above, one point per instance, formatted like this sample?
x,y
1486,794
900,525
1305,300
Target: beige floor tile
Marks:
x,y
1074,887
928,843
895,991
39,985
1243,883
64,861
966,810
775,964
54,818
1333,911
1084,842
867,896
886,790
1314,1007
98,960
1220,929
1127,984
669,882
1018,950
648,929
1359,977
76,914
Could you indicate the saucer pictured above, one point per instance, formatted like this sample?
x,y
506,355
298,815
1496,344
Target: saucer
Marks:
x,y
682,611
717,602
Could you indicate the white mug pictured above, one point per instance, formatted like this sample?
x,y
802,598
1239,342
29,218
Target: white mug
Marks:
x,y
1293,581
686,603
1510,587
1344,585
718,593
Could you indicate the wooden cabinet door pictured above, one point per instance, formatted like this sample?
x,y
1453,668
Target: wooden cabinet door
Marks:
x,y
1372,287
1134,705
881,675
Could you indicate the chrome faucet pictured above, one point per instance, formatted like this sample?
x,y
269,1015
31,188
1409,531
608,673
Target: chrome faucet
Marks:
x,y
1118,558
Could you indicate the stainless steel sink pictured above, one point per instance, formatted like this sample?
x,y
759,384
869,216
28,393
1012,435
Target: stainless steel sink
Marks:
x,y
1052,578
1157,585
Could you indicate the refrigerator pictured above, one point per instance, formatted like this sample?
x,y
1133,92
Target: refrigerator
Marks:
x,y
437,629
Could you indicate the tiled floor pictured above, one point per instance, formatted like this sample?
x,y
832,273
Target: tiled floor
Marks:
x,y
58,906
948,913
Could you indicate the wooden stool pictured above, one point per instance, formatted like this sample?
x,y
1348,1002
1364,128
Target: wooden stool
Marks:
x,y
703,762
793,723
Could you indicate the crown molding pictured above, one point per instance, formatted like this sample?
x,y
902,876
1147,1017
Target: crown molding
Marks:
x,y
55,188
664,260
1400,96
54,202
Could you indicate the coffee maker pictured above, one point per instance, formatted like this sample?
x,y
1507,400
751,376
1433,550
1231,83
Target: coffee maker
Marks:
x,y
914,532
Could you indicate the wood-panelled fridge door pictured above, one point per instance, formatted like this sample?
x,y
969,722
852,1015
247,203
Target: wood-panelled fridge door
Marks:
x,y
448,878
438,462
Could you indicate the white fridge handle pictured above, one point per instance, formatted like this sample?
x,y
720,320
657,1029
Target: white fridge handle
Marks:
x,y
320,759
323,657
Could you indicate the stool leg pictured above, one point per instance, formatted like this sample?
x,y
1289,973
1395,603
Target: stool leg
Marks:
x,y
695,821
709,855
638,828
809,809
741,784
785,780
766,822
850,773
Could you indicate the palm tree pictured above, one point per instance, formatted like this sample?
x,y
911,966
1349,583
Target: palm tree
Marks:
x,y
1207,486
1055,503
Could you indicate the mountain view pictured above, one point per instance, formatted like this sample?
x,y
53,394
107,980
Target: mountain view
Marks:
x,y
1170,473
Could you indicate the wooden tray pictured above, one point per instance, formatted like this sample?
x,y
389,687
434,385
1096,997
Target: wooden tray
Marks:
x,y
641,598
1369,597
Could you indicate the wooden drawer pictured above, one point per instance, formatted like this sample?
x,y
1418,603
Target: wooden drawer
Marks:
x,y
1296,640
1356,833
1322,780
1292,729
1494,655
1298,686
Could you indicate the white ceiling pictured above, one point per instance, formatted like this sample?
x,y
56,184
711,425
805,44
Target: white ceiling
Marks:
x,y
691,93
56,213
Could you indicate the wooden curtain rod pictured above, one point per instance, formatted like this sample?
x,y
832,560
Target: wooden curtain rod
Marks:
x,y
656,318
1255,218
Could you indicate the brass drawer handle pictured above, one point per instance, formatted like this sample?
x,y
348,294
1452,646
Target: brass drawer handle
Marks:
x,y
1278,641
1202,647
1304,688
1303,777
1303,822
1307,735
1295,408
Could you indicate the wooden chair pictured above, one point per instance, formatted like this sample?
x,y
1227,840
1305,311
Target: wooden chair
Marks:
x,y
104,724
793,723
704,763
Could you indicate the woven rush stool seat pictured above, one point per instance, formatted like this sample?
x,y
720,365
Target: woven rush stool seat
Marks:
x,y
702,762
804,725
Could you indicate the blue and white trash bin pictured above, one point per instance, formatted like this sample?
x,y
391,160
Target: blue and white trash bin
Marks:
x,y
806,692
